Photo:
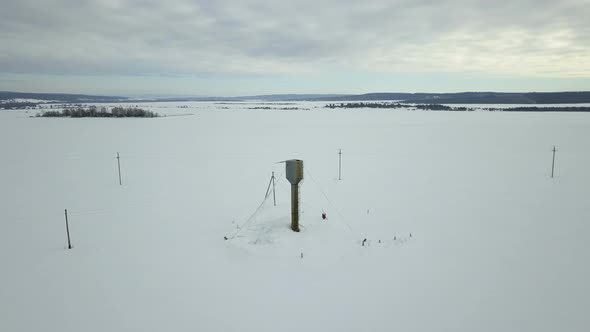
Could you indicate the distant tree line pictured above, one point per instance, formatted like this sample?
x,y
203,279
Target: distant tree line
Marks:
x,y
548,109
17,105
429,107
103,112
438,107
274,108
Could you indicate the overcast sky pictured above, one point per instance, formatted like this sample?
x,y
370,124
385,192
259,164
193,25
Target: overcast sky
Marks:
x,y
241,47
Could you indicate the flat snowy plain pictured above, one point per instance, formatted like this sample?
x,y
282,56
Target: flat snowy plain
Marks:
x,y
496,244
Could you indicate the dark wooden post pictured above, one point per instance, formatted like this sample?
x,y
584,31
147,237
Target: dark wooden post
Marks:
x,y
553,162
274,197
68,230
340,165
119,165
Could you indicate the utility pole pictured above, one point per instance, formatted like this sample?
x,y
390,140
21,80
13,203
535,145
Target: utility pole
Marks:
x,y
553,162
340,165
119,165
68,230
274,197
273,184
268,188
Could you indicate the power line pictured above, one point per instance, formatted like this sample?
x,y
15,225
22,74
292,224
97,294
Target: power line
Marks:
x,y
253,215
327,199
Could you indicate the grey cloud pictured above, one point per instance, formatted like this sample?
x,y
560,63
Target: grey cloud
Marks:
x,y
148,37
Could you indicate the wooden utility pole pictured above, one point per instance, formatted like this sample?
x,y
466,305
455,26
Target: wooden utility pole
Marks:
x,y
553,162
274,197
119,165
340,165
68,230
268,188
271,183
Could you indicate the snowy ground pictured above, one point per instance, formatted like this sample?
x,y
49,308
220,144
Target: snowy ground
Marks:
x,y
496,245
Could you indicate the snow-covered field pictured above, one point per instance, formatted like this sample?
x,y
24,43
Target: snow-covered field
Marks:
x,y
496,244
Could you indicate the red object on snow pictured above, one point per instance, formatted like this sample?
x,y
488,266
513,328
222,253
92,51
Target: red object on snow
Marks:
x,y
324,215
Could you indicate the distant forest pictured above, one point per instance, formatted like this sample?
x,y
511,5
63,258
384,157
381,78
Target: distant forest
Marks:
x,y
427,107
438,107
103,112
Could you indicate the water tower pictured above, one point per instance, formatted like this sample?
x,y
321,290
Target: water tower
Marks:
x,y
294,171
